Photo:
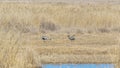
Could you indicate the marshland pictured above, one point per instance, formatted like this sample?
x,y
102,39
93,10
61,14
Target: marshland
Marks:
x,y
95,28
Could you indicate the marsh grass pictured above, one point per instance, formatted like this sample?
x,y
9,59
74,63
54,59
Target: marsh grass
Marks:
x,y
83,16
19,48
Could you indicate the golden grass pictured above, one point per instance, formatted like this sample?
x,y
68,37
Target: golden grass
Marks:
x,y
20,50
82,16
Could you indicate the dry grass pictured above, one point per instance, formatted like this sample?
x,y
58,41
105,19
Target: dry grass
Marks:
x,y
85,16
20,51
95,27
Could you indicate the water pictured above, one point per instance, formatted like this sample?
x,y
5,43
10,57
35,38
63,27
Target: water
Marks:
x,y
78,66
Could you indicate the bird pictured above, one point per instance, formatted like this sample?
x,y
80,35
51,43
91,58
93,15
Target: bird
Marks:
x,y
45,38
71,37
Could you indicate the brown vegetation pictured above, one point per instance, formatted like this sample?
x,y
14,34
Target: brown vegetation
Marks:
x,y
96,28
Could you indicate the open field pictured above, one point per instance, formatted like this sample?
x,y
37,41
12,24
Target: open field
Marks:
x,y
19,53
86,18
96,28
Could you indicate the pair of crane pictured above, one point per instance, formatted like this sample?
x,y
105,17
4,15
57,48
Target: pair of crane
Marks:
x,y
70,37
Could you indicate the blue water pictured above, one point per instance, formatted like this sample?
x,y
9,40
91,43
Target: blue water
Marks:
x,y
78,66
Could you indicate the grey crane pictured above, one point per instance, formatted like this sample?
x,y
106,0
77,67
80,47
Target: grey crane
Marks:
x,y
71,37
45,38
